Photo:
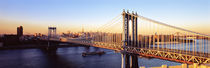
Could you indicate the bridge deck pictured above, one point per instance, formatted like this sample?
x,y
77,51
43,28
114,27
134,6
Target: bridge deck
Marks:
x,y
161,53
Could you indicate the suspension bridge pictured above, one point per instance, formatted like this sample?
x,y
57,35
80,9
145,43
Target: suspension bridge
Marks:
x,y
134,35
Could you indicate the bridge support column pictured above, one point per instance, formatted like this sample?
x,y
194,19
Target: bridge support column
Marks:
x,y
52,45
129,60
134,35
134,61
129,42
125,60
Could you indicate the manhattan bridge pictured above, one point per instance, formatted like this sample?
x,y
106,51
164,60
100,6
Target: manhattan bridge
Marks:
x,y
134,35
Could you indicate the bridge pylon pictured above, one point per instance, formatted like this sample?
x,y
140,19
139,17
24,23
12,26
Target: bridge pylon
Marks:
x,y
129,60
51,34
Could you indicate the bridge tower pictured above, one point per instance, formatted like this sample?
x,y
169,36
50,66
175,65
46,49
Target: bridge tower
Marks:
x,y
51,47
51,32
129,60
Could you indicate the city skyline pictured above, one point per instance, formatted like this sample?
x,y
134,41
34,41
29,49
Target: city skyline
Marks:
x,y
37,16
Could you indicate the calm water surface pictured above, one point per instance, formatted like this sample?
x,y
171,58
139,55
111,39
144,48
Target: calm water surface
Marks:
x,y
69,57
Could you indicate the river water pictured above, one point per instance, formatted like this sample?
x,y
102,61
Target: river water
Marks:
x,y
68,57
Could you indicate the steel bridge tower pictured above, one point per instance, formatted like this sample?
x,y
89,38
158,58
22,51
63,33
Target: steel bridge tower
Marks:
x,y
51,32
129,60
51,47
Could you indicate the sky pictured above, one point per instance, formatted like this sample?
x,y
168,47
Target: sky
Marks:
x,y
71,15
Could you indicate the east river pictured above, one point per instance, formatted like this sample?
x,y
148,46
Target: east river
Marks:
x,y
69,57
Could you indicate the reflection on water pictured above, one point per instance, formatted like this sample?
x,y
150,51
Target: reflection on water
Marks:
x,y
69,57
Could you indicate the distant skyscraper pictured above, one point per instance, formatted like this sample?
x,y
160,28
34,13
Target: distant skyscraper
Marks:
x,y
19,31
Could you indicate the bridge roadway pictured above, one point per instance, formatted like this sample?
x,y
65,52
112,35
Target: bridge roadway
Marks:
x,y
182,56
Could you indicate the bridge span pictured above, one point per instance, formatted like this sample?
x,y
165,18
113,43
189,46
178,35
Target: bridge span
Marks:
x,y
134,35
